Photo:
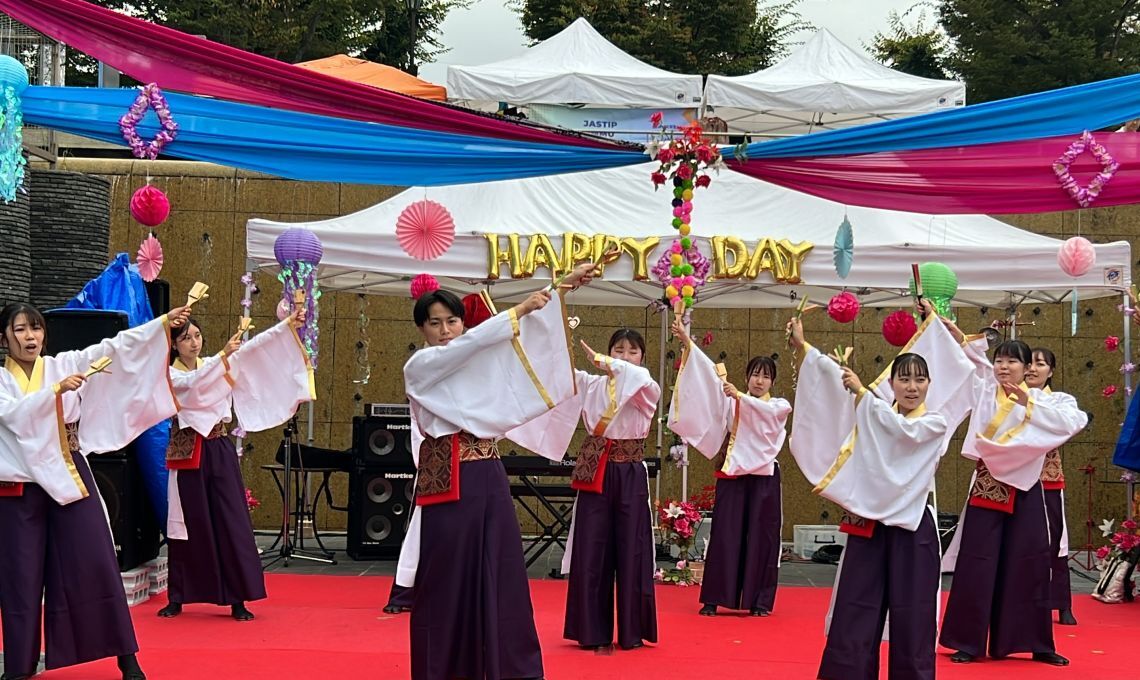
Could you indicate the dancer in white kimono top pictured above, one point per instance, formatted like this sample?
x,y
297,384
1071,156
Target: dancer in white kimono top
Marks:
x,y
742,433
875,454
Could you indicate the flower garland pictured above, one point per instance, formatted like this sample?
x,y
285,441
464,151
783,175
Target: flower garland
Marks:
x,y
12,161
683,269
150,97
1084,196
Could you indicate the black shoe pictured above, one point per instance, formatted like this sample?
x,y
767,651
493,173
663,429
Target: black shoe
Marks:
x,y
635,645
396,609
1065,618
708,610
240,613
961,657
759,611
170,611
1051,658
129,667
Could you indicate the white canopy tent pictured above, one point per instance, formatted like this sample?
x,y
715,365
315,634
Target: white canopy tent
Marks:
x,y
823,85
997,264
576,66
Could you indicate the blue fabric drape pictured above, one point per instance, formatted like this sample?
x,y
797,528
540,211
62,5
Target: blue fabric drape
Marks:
x,y
311,147
1069,110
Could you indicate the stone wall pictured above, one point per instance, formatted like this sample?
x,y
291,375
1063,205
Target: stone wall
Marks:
x,y
204,240
70,224
15,234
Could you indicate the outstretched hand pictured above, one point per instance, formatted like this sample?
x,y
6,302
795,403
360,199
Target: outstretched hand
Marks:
x,y
178,316
851,380
795,330
535,301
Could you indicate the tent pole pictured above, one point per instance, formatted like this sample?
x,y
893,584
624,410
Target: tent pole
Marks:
x,y
661,408
1128,486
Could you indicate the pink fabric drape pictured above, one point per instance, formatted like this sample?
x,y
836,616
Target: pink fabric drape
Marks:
x,y
178,61
1011,177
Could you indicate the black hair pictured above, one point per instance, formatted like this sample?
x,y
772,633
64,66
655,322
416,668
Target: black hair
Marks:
x,y
1050,358
12,311
176,333
763,365
444,297
1014,349
629,335
911,364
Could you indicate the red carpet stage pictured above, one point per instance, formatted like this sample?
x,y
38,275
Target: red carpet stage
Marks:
x,y
333,627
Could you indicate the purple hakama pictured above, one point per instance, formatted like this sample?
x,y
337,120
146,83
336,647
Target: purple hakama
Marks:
x,y
1001,581
219,563
1060,589
895,571
471,612
613,537
743,562
64,555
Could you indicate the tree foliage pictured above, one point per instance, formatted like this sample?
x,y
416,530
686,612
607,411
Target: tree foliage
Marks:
x,y
1004,48
918,50
300,30
728,37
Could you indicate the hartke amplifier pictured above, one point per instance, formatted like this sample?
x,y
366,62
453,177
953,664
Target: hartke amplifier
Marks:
x,y
383,440
380,505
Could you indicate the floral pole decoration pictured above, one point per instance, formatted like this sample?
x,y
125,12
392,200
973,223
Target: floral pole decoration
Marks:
x,y
685,160
1116,561
299,252
150,97
1112,344
1085,196
13,82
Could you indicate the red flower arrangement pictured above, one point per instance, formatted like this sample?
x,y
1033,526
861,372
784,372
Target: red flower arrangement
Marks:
x,y
679,523
251,503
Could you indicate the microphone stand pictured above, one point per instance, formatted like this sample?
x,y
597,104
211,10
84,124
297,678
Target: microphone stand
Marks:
x,y
288,549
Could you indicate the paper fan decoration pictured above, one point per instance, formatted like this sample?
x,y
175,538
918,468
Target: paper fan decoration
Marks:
x,y
149,258
844,251
425,230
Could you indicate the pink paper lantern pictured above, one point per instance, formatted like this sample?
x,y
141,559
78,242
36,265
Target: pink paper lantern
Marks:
x,y
425,230
844,307
1076,256
899,327
149,206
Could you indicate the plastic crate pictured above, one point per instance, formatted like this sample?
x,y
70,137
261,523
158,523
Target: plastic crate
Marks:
x,y
811,537
135,577
138,594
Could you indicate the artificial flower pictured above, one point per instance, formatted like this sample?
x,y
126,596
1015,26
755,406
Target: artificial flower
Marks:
x,y
666,155
1102,552
703,181
1106,527
1109,391
1111,343
658,178
656,119
685,171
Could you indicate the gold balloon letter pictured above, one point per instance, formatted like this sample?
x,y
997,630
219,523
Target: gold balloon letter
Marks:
x,y
723,247
639,250
796,253
576,248
542,254
511,256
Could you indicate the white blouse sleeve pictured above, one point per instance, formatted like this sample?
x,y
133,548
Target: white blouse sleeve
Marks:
x,y
699,412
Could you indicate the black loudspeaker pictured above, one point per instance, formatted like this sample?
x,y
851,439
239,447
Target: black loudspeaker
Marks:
x,y
134,525
383,440
158,292
381,485
73,329
947,525
380,504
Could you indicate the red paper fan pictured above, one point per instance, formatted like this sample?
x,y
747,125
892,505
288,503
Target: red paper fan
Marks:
x,y
425,230
149,258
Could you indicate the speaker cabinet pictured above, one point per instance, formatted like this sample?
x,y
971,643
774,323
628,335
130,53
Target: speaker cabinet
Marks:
x,y
134,526
158,294
380,504
383,441
74,329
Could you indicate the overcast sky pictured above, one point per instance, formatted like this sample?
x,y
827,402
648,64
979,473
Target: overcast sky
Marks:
x,y
488,31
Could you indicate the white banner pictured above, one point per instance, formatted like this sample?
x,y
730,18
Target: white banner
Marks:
x,y
631,125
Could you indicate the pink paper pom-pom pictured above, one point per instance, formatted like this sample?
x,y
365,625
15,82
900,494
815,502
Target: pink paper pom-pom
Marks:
x,y
844,307
1076,256
423,284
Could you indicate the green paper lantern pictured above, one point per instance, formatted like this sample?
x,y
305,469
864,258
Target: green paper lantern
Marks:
x,y
939,285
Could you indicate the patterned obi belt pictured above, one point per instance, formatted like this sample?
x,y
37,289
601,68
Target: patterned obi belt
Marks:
x,y
437,480
71,436
987,492
185,449
590,467
1053,474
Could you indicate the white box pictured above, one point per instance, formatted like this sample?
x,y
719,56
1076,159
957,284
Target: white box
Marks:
x,y
138,594
812,537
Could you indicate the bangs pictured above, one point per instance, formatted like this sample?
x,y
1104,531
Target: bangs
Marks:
x,y
909,365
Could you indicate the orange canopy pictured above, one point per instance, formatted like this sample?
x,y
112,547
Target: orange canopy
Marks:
x,y
377,75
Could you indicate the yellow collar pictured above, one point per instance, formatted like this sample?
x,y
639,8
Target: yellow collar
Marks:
x,y
28,384
179,366
918,412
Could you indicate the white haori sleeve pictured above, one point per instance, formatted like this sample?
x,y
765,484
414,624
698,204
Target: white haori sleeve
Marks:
x,y
622,403
31,443
760,434
449,387
549,434
699,412
825,415
272,377
1016,455
133,394
886,475
204,395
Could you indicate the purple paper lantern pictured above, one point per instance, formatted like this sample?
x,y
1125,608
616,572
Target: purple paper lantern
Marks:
x,y
298,245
